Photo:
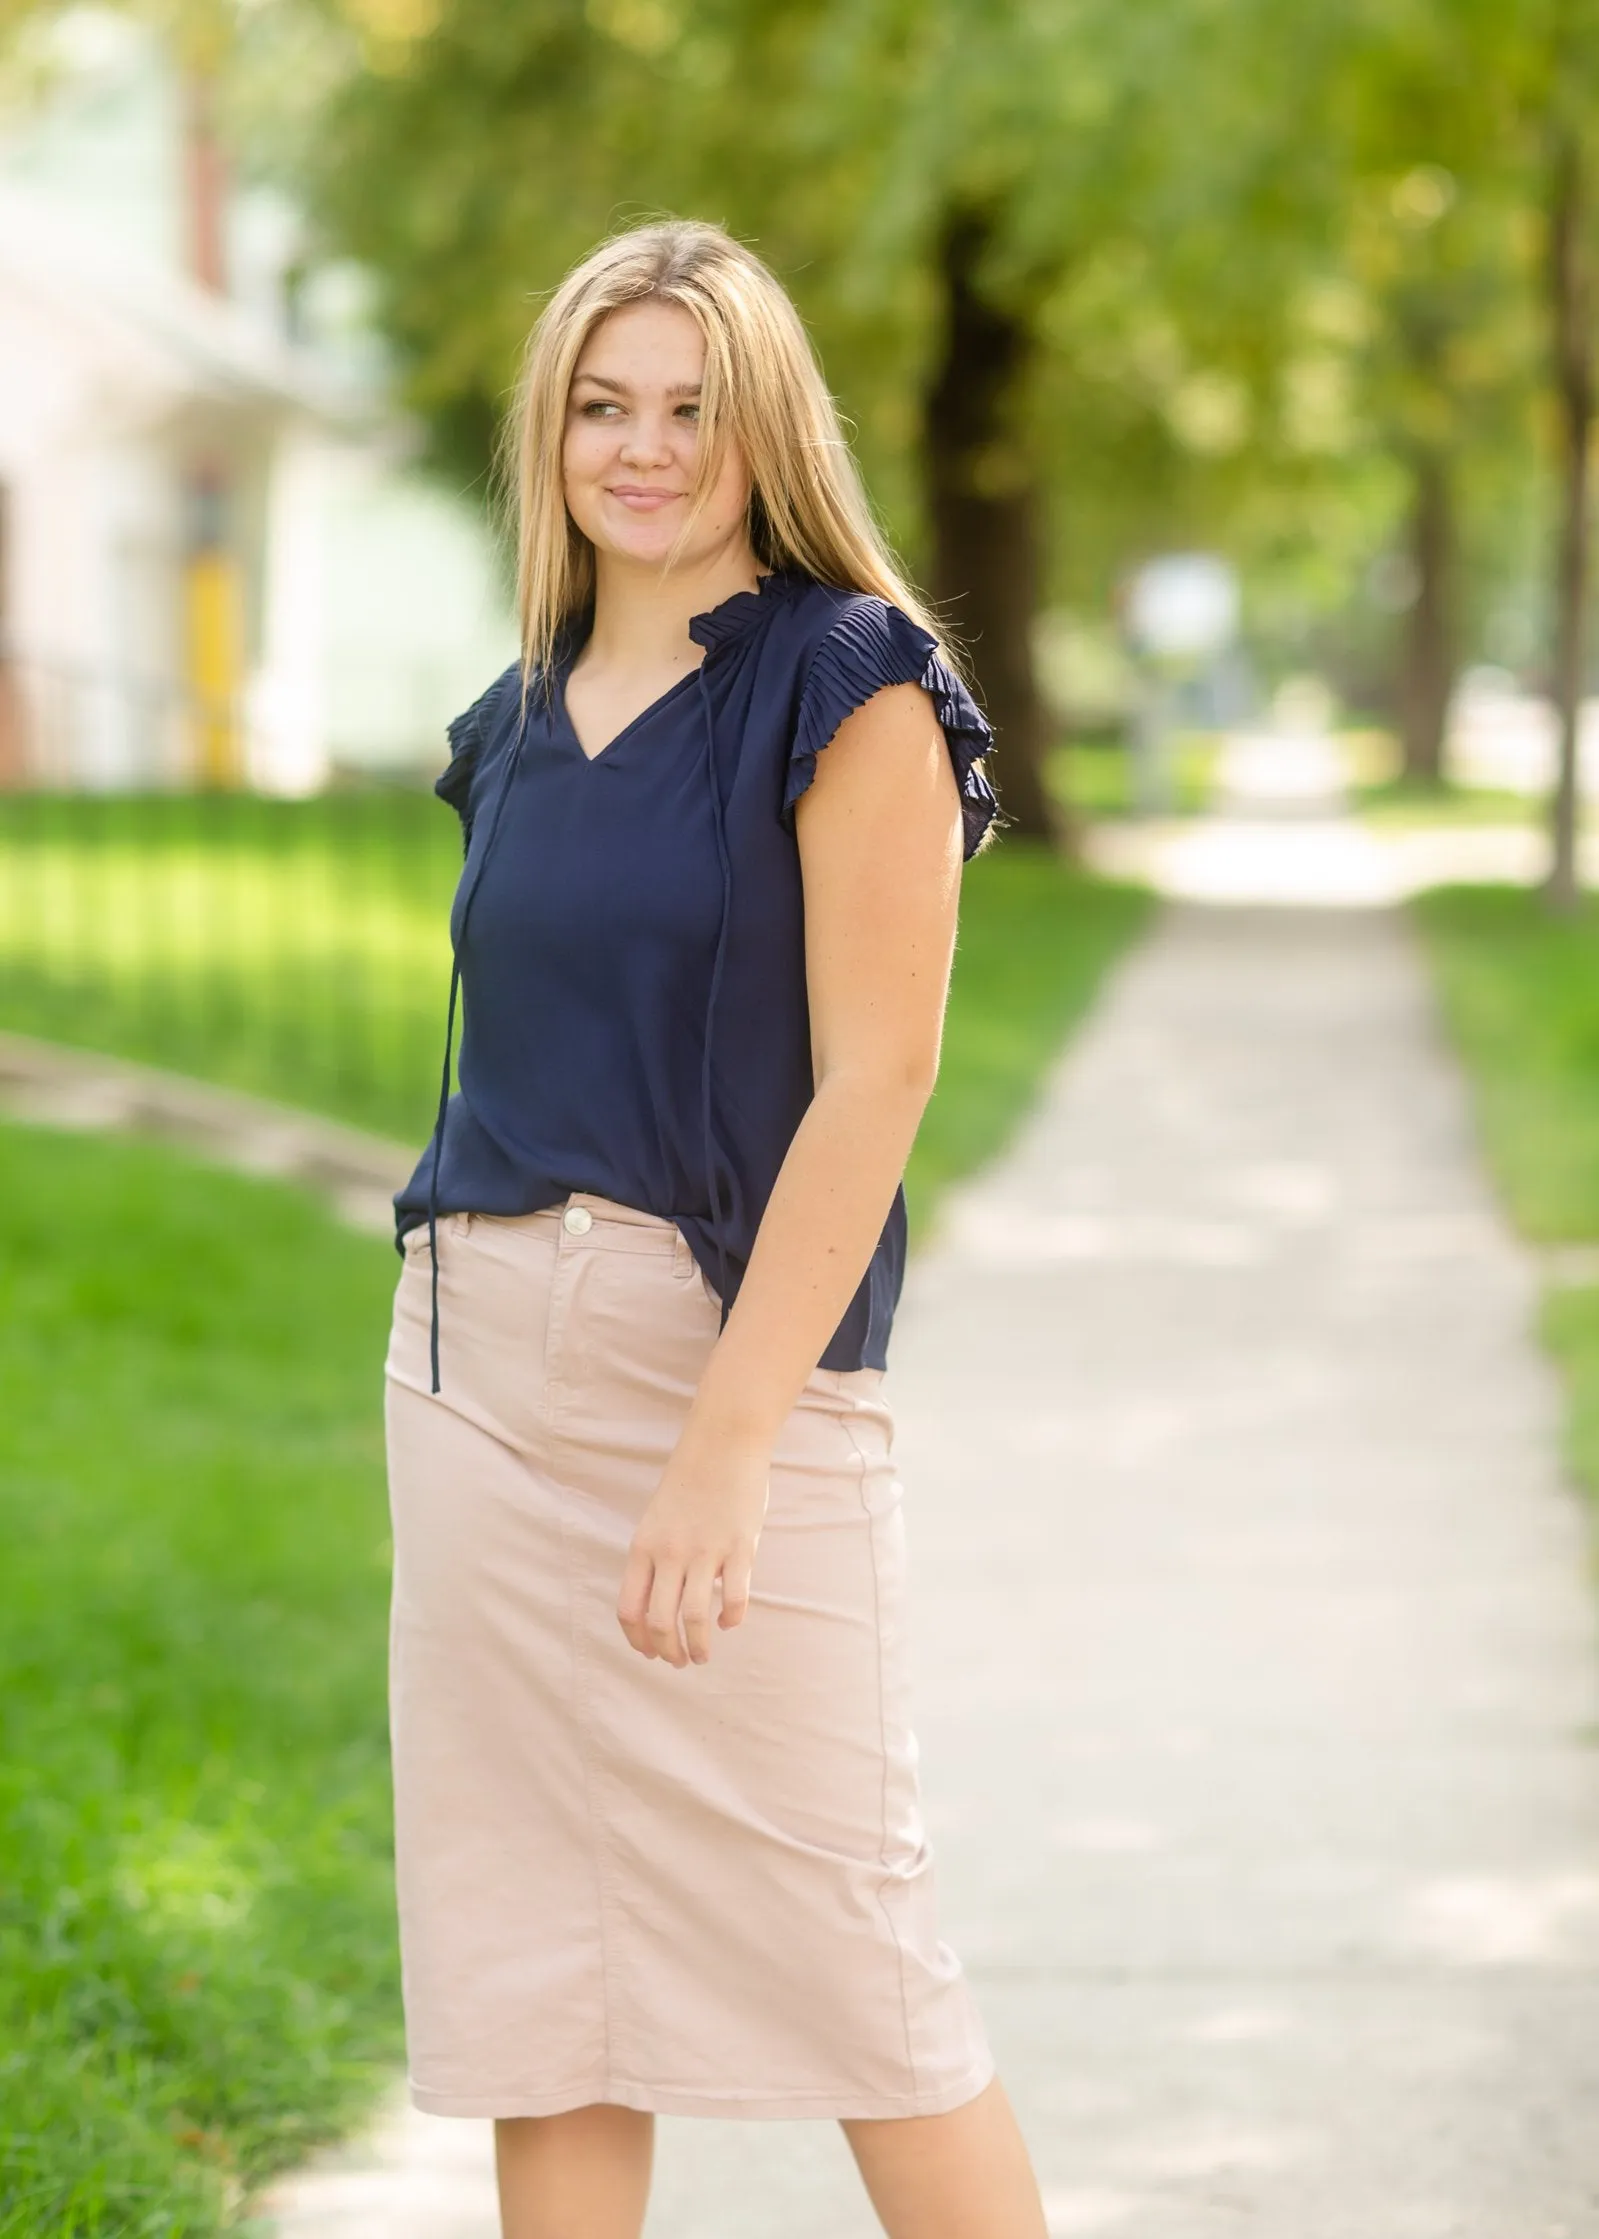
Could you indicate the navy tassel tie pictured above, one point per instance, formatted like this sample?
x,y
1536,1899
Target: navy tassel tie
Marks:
x,y
511,761
718,819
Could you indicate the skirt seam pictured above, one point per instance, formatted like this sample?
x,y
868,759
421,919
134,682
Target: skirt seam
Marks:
x,y
882,1730
580,1676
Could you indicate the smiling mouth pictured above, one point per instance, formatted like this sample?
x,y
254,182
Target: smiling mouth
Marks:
x,y
645,501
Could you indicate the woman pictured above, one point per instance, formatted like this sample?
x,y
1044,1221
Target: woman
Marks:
x,y
714,827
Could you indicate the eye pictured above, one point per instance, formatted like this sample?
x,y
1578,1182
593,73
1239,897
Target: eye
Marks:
x,y
597,405
690,412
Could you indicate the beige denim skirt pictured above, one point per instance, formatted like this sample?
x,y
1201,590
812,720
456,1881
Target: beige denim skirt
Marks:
x,y
704,1891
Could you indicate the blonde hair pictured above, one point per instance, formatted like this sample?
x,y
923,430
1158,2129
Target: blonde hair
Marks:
x,y
763,387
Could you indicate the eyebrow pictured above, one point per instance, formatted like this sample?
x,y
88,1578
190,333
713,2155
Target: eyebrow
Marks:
x,y
619,388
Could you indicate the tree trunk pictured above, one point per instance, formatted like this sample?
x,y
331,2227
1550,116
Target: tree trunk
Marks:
x,y
984,506
1570,300
1428,676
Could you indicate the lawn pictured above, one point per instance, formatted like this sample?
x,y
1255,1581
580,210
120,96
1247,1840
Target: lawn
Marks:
x,y
1392,802
197,1976
1401,805
197,1972
1093,776
1520,991
1035,939
297,949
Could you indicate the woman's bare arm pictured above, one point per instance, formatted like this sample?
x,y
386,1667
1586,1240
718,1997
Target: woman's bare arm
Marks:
x,y
879,833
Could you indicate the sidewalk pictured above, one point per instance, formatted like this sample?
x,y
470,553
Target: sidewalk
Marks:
x,y
1276,840
1259,1696
60,1087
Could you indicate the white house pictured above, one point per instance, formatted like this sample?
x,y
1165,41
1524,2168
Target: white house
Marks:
x,y
215,564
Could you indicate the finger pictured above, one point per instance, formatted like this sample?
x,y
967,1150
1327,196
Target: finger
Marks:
x,y
661,1618
633,1601
736,1574
698,1590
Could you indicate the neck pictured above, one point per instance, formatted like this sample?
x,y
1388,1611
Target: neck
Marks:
x,y
641,615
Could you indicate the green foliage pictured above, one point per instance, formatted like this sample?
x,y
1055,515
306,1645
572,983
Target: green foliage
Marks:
x,y
1095,776
1267,255
299,949
1036,939
1401,804
296,949
1571,1331
1520,990
197,1974
479,161
1521,997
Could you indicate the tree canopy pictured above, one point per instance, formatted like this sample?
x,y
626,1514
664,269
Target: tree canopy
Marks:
x,y
1309,286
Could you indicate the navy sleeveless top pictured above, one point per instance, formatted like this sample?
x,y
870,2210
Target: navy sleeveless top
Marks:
x,y
628,933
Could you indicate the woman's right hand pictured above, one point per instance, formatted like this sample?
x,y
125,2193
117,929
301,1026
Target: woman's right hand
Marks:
x,y
698,1536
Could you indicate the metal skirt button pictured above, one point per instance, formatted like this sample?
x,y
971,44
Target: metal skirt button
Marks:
x,y
577,1220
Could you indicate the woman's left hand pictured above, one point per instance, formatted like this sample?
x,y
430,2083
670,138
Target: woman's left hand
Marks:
x,y
702,1525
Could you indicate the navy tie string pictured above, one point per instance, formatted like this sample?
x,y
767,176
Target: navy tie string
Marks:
x,y
511,761
719,823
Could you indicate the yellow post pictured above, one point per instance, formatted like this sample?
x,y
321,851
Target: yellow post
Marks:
x,y
215,642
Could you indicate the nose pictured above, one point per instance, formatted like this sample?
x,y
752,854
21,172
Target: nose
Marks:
x,y
645,442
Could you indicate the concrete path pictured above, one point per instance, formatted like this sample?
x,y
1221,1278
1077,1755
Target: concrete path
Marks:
x,y
1259,1696
59,1087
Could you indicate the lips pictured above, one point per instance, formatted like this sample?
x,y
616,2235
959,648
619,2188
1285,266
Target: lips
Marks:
x,y
640,500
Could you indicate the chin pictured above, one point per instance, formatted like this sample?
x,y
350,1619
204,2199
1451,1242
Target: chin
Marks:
x,y
647,551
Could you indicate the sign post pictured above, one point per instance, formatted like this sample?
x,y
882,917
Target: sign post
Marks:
x,y
1179,612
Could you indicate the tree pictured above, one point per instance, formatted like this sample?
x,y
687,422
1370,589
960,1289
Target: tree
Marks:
x,y
1495,109
1569,270
932,180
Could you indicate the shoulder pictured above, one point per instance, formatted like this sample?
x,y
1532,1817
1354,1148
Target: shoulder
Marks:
x,y
831,620
857,644
475,738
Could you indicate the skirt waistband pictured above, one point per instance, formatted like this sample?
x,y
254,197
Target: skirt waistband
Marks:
x,y
610,1223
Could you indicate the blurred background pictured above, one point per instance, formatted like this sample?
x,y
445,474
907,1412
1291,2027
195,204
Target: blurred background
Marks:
x,y
1190,354
1224,370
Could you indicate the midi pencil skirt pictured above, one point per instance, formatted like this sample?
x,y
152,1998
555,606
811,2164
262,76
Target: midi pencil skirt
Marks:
x,y
704,1891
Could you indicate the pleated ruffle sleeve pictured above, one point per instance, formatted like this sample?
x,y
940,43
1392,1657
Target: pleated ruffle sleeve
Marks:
x,y
466,736
870,646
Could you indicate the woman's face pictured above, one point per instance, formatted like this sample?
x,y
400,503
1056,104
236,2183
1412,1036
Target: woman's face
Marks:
x,y
632,434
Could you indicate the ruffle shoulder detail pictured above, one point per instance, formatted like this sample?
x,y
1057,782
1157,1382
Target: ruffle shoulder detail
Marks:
x,y
870,646
468,735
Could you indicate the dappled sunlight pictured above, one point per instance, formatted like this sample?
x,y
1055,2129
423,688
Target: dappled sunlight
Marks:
x,y
1239,2025
980,1229
1108,1838
1073,2212
176,1875
1483,1920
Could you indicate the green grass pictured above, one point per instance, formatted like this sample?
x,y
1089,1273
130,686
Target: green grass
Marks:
x,y
1094,776
296,949
197,1975
197,1968
300,950
1520,991
1401,805
1391,802
1035,940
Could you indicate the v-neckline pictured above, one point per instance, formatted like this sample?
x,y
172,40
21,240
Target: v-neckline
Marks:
x,y
715,627
661,700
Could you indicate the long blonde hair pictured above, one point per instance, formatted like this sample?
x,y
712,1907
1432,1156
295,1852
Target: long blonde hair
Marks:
x,y
763,387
